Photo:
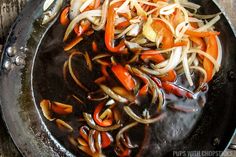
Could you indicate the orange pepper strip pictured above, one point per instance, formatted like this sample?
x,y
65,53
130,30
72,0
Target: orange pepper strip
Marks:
x,y
107,139
199,41
110,31
62,109
73,43
83,27
64,20
176,90
212,49
123,76
104,123
181,43
158,58
144,89
201,34
162,30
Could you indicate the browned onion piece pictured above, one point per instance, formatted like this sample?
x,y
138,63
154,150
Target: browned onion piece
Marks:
x,y
78,99
88,118
113,95
91,140
120,134
88,61
98,141
62,125
65,66
82,142
94,96
130,112
46,109
124,93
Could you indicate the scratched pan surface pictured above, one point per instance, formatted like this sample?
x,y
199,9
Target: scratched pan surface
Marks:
x,y
33,74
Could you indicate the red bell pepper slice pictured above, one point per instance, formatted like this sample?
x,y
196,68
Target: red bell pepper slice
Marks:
x,y
162,30
123,76
107,139
96,116
176,90
110,31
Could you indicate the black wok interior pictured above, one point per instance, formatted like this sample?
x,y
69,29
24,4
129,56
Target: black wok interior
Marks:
x,y
209,129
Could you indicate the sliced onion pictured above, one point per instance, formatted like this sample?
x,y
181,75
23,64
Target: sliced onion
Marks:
x,y
148,31
51,14
102,22
88,118
113,95
78,18
206,16
134,31
200,69
125,31
209,24
168,9
85,5
190,5
130,112
74,8
77,81
47,4
122,131
101,56
173,61
214,62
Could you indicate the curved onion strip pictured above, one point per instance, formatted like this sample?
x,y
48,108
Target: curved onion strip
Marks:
x,y
216,65
72,72
219,59
65,66
130,112
51,14
173,61
185,64
78,18
120,133
88,61
62,125
125,31
74,8
200,69
85,5
102,21
47,4
101,56
113,95
209,24
203,17
91,141
190,5
46,109
159,94
88,118
167,10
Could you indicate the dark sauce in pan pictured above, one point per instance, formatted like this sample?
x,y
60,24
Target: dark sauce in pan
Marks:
x,y
48,83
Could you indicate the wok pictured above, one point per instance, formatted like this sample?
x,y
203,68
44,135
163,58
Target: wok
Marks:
x,y
25,62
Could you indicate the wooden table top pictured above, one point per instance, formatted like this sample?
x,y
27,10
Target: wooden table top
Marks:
x,y
9,9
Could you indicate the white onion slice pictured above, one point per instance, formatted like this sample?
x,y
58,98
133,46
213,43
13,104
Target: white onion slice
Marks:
x,y
209,24
78,18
